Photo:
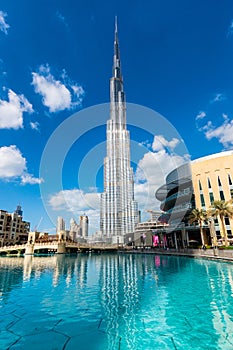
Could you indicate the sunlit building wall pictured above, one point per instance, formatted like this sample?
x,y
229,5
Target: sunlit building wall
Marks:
x,y
213,180
13,229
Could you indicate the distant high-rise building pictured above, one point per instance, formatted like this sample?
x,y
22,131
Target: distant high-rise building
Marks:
x,y
61,226
18,210
118,209
84,225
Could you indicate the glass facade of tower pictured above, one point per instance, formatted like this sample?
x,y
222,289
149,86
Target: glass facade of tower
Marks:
x,y
118,210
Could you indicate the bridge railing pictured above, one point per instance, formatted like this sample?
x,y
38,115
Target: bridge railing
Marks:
x,y
13,247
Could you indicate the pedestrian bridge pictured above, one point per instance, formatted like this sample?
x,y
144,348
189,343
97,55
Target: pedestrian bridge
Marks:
x,y
56,247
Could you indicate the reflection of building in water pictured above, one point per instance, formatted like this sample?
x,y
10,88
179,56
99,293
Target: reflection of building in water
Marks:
x,y
27,267
74,266
120,295
220,286
13,229
9,280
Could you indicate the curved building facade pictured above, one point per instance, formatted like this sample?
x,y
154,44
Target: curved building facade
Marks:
x,y
176,196
196,185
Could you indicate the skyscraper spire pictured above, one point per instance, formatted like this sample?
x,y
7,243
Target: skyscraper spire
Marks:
x,y
116,30
116,59
118,212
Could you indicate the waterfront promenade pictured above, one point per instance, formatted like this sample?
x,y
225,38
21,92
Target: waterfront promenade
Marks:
x,y
71,247
216,254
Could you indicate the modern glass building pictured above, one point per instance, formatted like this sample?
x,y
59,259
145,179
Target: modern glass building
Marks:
x,y
118,209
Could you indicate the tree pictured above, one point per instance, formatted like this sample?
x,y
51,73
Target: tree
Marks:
x,y
200,216
221,209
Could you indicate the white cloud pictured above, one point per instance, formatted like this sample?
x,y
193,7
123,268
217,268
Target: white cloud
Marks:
x,y
30,179
3,25
12,163
218,97
11,112
152,170
13,166
161,143
223,133
61,18
230,29
56,94
34,125
76,202
200,115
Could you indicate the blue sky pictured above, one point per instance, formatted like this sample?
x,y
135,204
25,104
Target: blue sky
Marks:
x,y
56,60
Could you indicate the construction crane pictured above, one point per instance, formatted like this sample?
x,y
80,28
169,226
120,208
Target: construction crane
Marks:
x,y
37,226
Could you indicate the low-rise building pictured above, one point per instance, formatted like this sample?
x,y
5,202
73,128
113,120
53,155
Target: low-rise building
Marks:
x,y
13,229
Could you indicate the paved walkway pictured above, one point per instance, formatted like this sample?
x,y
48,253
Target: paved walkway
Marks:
x,y
217,254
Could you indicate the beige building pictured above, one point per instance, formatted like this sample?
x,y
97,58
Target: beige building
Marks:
x,y
13,230
213,180
196,185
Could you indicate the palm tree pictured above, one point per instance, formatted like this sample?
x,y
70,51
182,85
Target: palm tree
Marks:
x,y
200,216
222,209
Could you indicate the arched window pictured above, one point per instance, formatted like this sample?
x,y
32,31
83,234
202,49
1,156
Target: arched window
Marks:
x,y
229,180
200,186
209,184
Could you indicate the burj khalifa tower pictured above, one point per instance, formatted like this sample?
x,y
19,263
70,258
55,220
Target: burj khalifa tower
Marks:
x,y
118,208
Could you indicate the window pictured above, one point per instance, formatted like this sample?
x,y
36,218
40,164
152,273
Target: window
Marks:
x,y
227,221
229,180
221,195
202,200
209,184
200,187
231,192
219,182
211,197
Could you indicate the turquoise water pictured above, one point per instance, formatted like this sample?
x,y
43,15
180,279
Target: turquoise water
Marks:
x,y
115,302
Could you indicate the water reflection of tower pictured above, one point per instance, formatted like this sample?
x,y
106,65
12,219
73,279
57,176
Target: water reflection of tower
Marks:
x,y
69,268
81,270
27,267
9,280
120,296
220,287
